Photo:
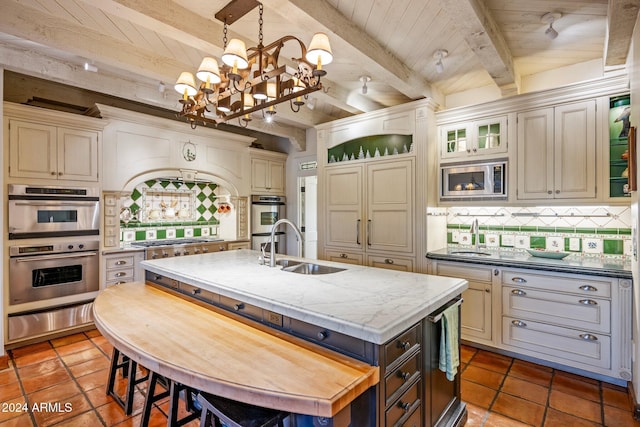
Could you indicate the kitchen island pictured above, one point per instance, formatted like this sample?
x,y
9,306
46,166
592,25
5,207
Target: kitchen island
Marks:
x,y
386,318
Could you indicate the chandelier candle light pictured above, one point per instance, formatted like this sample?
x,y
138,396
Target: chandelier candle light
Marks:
x,y
250,80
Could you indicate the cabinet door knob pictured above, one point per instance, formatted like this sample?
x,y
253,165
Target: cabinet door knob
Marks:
x,y
53,173
404,406
549,192
405,345
557,191
404,375
588,288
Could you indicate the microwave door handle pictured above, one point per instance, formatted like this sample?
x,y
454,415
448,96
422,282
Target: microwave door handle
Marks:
x,y
49,257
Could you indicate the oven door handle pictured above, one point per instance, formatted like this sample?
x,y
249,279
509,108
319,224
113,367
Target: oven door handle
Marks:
x,y
49,257
54,203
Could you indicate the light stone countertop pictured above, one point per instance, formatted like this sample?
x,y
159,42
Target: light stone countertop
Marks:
x,y
369,303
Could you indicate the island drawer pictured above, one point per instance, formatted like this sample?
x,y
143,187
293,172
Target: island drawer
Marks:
x,y
198,293
399,379
564,345
574,311
413,420
246,310
403,408
404,343
559,283
345,344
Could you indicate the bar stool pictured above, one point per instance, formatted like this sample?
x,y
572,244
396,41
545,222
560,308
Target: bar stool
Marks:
x,y
129,368
173,390
218,411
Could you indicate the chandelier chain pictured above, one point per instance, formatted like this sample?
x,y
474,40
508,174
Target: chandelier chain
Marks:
x,y
260,22
224,34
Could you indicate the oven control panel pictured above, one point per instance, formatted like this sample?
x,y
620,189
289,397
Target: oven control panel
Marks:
x,y
54,248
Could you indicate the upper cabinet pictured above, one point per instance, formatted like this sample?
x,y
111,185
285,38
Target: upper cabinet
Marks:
x,y
618,138
557,152
267,172
486,137
69,154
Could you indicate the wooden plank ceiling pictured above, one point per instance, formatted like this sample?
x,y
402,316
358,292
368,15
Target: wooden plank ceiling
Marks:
x,y
137,44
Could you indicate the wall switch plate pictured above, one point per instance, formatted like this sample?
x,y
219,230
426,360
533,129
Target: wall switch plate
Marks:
x,y
508,240
574,244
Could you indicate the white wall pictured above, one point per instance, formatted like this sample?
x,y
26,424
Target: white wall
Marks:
x,y
536,82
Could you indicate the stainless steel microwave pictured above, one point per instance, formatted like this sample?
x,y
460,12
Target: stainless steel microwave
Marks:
x,y
470,181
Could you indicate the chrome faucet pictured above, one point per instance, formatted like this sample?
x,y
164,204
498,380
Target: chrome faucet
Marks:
x,y
475,229
272,255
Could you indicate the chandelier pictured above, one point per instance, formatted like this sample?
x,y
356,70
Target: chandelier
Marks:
x,y
251,80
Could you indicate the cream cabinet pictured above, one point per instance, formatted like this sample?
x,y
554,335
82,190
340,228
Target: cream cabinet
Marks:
x,y
122,267
51,152
369,210
557,152
268,174
576,320
477,310
475,138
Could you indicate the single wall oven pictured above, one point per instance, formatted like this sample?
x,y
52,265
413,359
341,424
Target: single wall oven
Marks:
x,y
47,211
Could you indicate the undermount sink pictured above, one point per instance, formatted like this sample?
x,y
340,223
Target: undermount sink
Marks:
x,y
306,267
470,253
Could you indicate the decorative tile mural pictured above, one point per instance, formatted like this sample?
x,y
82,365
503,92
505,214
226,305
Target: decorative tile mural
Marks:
x,y
163,209
583,231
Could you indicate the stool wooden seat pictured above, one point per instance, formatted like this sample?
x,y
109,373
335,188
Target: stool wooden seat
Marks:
x,y
129,371
218,411
172,389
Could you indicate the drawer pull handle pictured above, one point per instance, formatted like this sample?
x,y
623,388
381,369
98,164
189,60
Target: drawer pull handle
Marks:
x,y
120,282
588,288
120,274
588,337
121,262
405,345
388,261
519,292
196,291
518,280
344,256
404,375
238,306
404,406
588,302
519,323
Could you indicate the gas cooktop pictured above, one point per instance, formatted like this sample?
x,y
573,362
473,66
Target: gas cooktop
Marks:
x,y
173,242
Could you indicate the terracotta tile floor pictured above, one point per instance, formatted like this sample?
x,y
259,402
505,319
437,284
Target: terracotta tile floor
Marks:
x,y
500,391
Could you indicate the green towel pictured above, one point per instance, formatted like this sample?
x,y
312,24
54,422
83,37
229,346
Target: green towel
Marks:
x,y
449,349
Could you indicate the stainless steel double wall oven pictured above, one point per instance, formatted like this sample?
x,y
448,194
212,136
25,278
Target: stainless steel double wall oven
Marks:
x,y
53,258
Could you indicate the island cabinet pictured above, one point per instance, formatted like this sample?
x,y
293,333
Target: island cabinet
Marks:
x,y
412,390
557,152
369,213
477,310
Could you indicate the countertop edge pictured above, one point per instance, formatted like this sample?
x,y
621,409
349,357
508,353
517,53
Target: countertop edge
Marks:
x,y
532,265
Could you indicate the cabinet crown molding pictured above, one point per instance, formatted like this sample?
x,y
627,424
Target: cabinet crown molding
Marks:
x,y
51,117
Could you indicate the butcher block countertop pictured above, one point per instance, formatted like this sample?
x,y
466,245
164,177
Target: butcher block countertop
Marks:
x,y
372,304
205,349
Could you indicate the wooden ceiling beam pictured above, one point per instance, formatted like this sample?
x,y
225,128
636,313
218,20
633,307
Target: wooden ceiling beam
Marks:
x,y
364,49
621,18
479,30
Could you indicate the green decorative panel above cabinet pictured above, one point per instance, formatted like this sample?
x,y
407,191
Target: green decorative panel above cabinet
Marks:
x,y
619,115
370,146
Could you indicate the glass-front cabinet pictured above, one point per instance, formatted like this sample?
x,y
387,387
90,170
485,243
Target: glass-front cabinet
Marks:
x,y
477,138
619,124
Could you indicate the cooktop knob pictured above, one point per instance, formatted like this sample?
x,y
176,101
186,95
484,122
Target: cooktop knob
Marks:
x,y
70,247
80,246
